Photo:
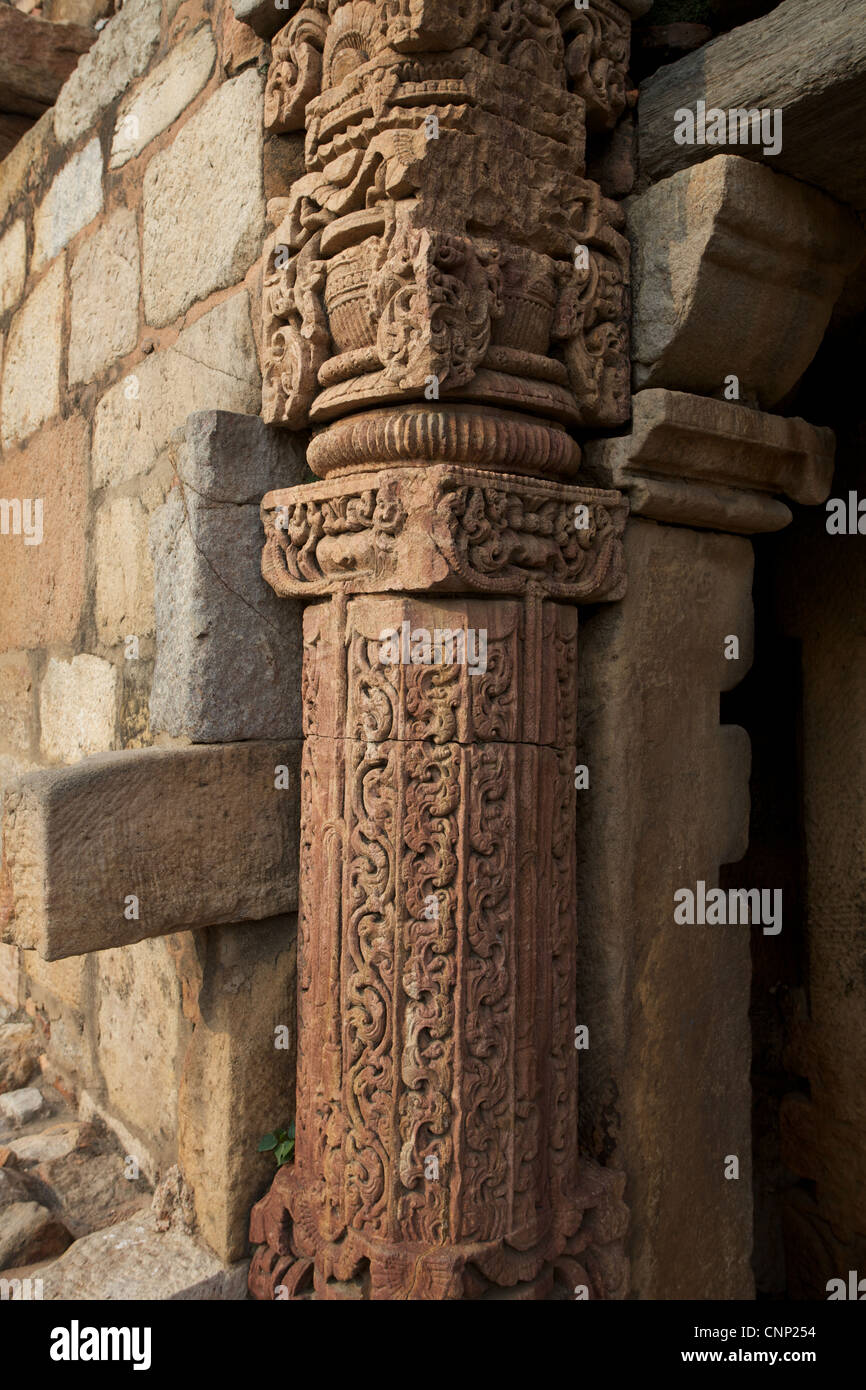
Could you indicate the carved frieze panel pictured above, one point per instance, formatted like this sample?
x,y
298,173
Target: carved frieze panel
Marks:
x,y
444,528
443,671
436,983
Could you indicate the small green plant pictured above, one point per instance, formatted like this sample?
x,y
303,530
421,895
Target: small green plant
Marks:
x,y
281,1143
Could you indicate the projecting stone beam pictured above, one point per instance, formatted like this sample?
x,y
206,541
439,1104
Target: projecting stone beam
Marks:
x,y
700,462
36,57
735,271
807,60
145,842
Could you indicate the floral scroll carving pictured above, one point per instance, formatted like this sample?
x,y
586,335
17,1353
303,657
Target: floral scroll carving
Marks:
x,y
445,302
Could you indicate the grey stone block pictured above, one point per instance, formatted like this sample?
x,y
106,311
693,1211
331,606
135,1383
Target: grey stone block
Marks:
x,y
228,651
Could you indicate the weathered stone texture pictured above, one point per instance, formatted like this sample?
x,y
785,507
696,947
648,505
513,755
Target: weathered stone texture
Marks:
x,y
664,1084
808,62
236,1081
13,264
26,155
700,462
124,577
735,271
121,53
163,95
44,585
73,200
16,703
197,835
29,1233
31,362
135,1260
105,284
203,202
228,651
212,365
20,1046
10,975
36,58
142,1037
77,707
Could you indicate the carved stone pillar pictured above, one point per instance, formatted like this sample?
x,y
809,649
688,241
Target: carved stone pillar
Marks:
x,y
444,295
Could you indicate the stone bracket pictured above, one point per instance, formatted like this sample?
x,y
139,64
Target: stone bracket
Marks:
x,y
701,462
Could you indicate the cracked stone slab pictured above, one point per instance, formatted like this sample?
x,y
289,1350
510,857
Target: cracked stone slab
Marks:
x,y
228,650
124,846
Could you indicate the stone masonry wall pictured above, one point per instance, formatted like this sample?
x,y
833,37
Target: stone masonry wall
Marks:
x,y
131,218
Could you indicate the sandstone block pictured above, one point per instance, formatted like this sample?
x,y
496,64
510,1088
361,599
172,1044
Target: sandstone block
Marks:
x,y
735,271
203,219
16,703
58,1141
77,707
31,364
9,975
211,601
182,837
121,53
124,580
700,462
36,58
105,285
44,584
237,1083
19,1053
56,983
166,92
783,61
30,1232
73,200
668,803
133,1260
143,1035
13,264
27,155
212,365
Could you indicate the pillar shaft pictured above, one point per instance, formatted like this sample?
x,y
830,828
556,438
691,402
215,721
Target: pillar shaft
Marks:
x,y
444,296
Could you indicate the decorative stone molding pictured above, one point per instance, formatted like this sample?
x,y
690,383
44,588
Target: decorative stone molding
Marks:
x,y
701,462
443,528
445,293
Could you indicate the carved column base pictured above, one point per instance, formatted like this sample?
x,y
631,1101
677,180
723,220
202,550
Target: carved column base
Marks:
x,y
582,1259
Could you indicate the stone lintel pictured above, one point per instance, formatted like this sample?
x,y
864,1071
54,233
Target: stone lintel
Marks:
x,y
807,60
198,836
708,463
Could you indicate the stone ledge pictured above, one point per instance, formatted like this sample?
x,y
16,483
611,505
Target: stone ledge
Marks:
x,y
695,461
197,835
